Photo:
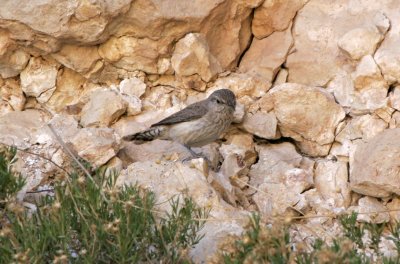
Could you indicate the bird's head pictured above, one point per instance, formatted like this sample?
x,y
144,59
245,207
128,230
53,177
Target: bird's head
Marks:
x,y
222,98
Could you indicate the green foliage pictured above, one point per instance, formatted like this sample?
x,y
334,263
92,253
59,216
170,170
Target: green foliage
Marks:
x,y
263,244
10,182
84,223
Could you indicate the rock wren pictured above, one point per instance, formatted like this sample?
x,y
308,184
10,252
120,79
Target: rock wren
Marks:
x,y
196,125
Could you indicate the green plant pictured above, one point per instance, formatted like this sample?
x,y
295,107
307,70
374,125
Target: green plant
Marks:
x,y
86,223
10,182
272,244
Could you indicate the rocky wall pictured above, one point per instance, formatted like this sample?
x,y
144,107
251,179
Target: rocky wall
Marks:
x,y
318,86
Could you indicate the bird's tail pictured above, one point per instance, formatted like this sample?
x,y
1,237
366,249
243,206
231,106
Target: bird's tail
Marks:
x,y
147,135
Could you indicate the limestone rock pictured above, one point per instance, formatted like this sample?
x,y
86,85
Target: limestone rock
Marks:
x,y
387,55
11,93
70,89
274,15
316,31
307,114
242,145
21,128
368,75
75,21
281,77
131,53
280,176
38,79
395,120
134,104
27,130
12,59
362,127
261,124
265,56
104,107
360,42
66,126
243,85
367,206
132,86
170,179
331,181
260,120
156,150
394,204
71,56
194,82
96,145
192,56
394,98
370,173
370,96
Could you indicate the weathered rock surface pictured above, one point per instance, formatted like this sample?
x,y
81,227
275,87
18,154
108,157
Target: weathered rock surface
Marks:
x,y
104,108
12,59
280,176
71,56
308,115
370,210
127,64
192,56
12,96
274,16
360,42
331,181
38,79
317,31
131,53
257,61
169,179
96,145
70,89
374,169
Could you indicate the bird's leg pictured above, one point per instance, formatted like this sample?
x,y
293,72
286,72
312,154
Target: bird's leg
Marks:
x,y
195,155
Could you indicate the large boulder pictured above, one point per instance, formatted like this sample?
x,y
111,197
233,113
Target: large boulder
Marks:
x,y
309,115
374,169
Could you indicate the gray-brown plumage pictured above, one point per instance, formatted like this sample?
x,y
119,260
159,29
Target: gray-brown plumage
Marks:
x,y
196,125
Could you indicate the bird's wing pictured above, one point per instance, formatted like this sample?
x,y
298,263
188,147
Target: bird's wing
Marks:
x,y
191,112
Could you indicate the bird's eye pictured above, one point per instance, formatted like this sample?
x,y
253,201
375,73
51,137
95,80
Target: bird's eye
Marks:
x,y
218,101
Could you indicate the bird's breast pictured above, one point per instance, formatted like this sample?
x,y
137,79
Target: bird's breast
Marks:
x,y
201,131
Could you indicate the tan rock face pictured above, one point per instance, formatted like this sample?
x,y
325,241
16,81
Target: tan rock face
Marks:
x,y
77,21
280,176
38,79
360,41
71,56
192,56
387,55
373,171
169,179
368,75
320,24
366,208
306,114
131,53
96,145
11,94
104,107
70,87
331,181
244,86
12,59
274,15
265,56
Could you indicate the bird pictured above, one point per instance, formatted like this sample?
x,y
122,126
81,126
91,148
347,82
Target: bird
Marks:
x,y
196,125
